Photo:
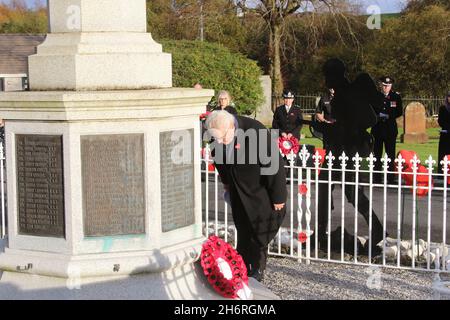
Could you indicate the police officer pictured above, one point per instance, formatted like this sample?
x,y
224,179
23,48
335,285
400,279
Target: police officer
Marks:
x,y
288,117
385,131
324,118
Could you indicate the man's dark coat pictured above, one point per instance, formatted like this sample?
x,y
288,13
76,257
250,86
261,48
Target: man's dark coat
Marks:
x,y
253,194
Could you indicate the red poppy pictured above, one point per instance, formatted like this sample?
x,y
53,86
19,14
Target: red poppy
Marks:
x,y
302,189
302,237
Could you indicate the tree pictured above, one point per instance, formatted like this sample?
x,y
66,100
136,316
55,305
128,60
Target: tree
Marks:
x,y
210,20
414,49
17,18
418,5
275,13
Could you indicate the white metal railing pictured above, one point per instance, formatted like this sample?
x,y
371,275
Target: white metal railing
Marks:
x,y
416,224
2,191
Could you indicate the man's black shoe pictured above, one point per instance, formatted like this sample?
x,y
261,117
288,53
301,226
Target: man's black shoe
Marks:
x,y
257,274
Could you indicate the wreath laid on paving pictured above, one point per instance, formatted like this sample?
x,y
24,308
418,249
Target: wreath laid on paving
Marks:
x,y
225,269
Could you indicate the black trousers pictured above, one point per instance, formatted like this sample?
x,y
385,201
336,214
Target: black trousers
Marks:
x,y
249,247
388,141
363,206
444,149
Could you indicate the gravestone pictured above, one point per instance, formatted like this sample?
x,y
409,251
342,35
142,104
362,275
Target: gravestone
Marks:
x,y
415,123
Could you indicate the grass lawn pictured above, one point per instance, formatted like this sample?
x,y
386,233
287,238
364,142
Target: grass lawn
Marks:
x,y
423,150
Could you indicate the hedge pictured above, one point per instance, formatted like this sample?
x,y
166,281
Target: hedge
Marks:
x,y
216,67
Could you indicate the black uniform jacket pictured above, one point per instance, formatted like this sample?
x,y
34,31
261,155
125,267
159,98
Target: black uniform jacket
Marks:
x,y
444,118
252,193
393,107
288,123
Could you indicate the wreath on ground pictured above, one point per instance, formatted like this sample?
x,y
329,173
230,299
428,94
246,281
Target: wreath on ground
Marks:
x,y
225,269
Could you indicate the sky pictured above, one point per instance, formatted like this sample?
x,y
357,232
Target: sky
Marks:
x,y
386,6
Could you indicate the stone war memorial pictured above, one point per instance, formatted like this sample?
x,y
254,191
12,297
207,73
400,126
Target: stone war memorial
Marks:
x,y
104,187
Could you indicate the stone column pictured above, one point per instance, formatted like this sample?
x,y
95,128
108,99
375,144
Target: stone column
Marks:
x,y
99,45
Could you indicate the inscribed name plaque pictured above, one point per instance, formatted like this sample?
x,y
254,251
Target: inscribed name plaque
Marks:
x,y
177,179
113,184
40,185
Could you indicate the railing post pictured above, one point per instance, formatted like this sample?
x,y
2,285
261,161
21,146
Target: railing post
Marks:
x,y
371,160
207,150
330,159
343,159
386,162
400,161
445,169
430,163
2,187
357,161
317,157
415,166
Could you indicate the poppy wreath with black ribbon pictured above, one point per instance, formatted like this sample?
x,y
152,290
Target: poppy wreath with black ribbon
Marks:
x,y
288,145
213,250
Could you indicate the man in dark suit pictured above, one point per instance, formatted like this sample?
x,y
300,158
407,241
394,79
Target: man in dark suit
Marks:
x,y
288,118
249,165
385,131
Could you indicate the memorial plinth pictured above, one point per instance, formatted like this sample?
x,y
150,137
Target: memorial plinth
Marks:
x,y
106,183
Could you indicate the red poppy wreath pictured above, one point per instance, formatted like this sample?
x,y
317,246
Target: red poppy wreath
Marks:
x,y
225,269
288,145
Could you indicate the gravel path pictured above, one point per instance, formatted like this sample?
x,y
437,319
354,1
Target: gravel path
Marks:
x,y
291,280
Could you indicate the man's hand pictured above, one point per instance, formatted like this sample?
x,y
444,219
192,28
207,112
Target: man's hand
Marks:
x,y
320,117
289,135
284,135
278,207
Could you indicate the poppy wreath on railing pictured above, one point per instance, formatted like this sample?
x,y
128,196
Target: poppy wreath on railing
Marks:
x,y
224,268
288,145
423,180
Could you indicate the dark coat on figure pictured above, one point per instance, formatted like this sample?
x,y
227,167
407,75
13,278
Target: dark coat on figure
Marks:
x,y
252,194
392,106
444,139
288,123
353,107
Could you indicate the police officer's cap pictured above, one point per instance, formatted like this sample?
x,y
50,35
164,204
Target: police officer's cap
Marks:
x,y
287,94
386,81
